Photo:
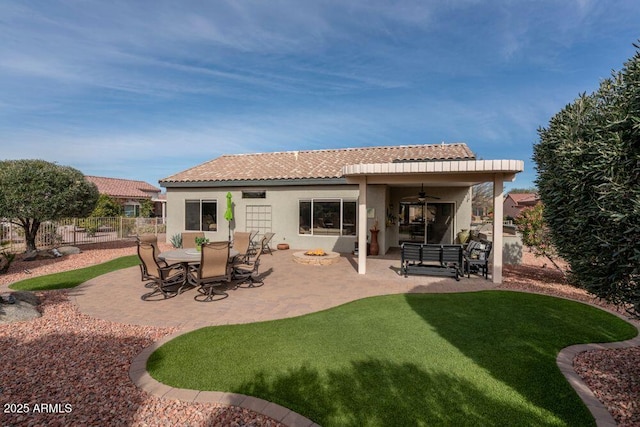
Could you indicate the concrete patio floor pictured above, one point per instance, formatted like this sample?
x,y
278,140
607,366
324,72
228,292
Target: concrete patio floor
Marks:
x,y
290,289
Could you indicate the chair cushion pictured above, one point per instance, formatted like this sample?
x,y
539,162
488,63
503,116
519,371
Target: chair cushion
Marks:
x,y
477,252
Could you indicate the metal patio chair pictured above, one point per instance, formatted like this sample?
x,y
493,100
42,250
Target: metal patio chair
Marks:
x,y
213,272
166,281
247,272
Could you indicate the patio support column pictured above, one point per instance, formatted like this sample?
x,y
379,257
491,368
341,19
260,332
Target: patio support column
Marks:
x,y
362,225
498,217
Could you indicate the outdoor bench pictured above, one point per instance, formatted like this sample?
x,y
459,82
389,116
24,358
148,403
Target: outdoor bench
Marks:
x,y
429,259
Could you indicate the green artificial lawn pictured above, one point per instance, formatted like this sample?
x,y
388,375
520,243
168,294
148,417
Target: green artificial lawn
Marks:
x,y
70,279
482,358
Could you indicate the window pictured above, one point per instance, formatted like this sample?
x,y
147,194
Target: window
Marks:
x,y
254,194
201,215
131,210
328,217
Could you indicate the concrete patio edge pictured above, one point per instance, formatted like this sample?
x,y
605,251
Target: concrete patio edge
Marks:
x,y
141,378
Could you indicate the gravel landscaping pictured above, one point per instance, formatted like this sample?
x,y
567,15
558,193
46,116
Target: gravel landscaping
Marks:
x,y
77,367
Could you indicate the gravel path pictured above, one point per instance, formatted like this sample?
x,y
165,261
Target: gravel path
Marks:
x,y
77,366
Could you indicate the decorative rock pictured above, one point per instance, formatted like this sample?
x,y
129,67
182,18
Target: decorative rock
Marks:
x,y
69,250
7,299
18,306
30,256
28,297
45,255
18,312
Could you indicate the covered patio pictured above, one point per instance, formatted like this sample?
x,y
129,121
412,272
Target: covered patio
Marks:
x,y
448,173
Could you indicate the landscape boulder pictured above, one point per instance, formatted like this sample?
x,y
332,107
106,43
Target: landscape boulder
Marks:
x,y
69,250
18,306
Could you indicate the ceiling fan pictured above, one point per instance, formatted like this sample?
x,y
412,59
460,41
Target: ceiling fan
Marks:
x,y
422,196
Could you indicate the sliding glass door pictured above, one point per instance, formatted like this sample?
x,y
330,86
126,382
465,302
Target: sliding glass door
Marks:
x,y
426,222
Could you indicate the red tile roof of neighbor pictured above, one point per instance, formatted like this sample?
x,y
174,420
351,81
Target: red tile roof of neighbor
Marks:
x,y
524,198
313,163
117,187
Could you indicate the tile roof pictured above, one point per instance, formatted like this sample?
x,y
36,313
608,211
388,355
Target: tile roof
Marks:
x,y
117,187
313,163
524,198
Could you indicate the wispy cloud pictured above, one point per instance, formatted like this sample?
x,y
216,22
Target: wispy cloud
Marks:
x,y
126,79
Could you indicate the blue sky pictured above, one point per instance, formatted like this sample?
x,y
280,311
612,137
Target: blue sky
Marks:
x,y
143,90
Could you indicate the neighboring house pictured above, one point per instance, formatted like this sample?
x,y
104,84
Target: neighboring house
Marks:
x,y
515,202
329,199
130,193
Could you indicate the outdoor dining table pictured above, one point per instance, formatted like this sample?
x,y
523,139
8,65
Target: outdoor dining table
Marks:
x,y
186,257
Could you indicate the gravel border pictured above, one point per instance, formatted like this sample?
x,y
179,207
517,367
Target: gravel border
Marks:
x,y
82,364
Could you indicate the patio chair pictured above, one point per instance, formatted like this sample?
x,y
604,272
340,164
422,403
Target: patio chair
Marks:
x,y
241,243
166,281
152,239
476,257
189,239
213,271
247,272
252,242
266,247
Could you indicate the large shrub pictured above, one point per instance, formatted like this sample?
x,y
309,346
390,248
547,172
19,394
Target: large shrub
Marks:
x,y
33,191
588,162
106,207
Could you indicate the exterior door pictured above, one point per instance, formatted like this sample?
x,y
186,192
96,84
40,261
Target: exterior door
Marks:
x,y
426,223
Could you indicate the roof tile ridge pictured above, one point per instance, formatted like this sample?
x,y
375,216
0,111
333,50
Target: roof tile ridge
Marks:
x,y
370,147
115,178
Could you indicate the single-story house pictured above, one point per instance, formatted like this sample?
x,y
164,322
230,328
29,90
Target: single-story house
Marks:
x,y
332,198
515,202
129,193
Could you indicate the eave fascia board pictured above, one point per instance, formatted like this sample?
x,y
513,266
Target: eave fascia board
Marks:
x,y
254,183
437,167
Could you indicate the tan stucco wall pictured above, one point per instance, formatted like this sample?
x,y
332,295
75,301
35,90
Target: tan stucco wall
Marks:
x,y
284,207
285,211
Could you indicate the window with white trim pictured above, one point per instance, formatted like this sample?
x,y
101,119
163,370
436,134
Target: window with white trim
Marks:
x,y
131,210
201,215
327,217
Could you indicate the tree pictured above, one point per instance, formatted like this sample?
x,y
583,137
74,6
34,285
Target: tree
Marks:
x,y
535,233
588,162
523,190
482,198
146,208
33,191
106,207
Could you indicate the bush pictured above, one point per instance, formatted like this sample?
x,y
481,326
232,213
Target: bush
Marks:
x,y
588,161
6,259
536,234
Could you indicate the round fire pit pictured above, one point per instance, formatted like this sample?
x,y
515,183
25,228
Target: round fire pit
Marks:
x,y
326,259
